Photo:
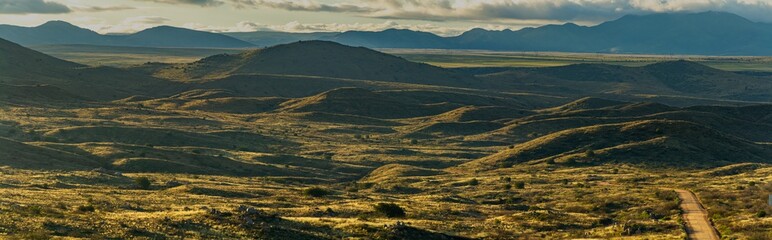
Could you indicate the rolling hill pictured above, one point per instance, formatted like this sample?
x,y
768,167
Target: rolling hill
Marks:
x,y
361,102
664,78
22,66
749,122
391,38
271,38
651,142
318,58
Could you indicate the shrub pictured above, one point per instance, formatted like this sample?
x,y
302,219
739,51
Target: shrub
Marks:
x,y
86,208
589,153
390,210
520,185
761,214
142,183
315,192
473,182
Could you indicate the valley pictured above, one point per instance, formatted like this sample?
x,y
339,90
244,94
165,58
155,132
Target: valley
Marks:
x,y
319,140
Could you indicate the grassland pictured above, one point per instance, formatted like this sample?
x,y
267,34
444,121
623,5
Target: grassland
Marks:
x,y
128,56
194,161
225,149
470,58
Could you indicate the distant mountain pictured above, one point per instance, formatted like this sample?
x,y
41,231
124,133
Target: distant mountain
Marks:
x,y
318,58
269,38
59,32
54,32
165,36
392,38
712,33
706,33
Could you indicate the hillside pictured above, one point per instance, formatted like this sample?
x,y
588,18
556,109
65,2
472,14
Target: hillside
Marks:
x,y
25,67
318,58
391,38
652,143
361,102
26,156
271,38
748,122
664,78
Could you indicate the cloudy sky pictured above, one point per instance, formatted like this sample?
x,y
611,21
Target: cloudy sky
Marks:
x,y
445,17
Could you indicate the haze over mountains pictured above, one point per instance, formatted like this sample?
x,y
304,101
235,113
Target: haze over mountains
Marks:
x,y
706,33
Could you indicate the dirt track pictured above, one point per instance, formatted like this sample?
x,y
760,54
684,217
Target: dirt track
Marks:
x,y
697,225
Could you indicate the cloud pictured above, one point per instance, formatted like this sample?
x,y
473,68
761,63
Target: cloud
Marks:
x,y
128,25
302,5
32,6
203,3
559,10
102,9
295,26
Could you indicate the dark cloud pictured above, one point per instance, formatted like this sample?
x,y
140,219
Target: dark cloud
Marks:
x,y
32,6
556,10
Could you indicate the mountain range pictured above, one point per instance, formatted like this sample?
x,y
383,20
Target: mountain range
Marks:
x,y
706,33
59,32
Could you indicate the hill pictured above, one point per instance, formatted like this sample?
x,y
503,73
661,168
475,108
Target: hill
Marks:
x,y
664,78
53,32
59,32
748,122
391,38
25,67
651,142
26,156
166,36
318,58
271,38
361,102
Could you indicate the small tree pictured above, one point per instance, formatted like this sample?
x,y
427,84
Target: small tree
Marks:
x,y
390,210
142,183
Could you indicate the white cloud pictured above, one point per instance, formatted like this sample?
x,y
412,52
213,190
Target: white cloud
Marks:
x,y
295,26
128,25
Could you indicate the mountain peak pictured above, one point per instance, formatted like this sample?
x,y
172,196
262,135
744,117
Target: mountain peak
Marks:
x,y
57,23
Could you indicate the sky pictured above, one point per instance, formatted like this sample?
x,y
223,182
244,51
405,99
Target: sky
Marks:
x,y
443,17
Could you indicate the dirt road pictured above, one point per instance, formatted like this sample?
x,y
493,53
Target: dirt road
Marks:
x,y
697,225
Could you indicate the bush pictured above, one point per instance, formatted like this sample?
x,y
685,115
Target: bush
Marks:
x,y
761,214
142,183
316,192
474,182
86,208
520,185
390,210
